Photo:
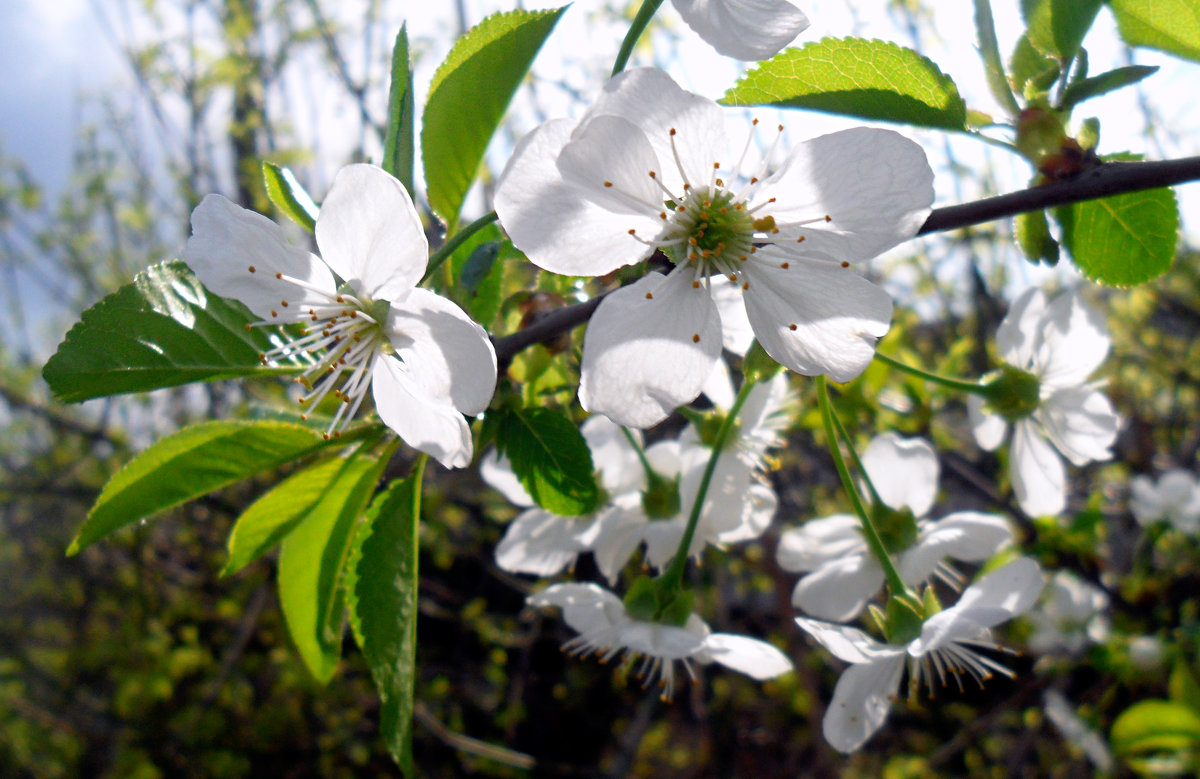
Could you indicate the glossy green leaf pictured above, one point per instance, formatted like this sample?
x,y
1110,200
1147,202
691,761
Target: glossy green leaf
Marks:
x,y
1087,88
1172,26
162,330
1124,239
1057,27
313,563
479,273
1155,725
551,459
1030,70
855,77
288,196
985,31
382,596
191,463
468,97
270,518
398,143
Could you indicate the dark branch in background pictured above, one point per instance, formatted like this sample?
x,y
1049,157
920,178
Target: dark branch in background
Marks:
x,y
1110,178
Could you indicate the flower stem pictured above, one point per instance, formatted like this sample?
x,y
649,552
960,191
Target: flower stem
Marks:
x,y
644,15
866,477
958,384
874,542
672,579
453,242
641,453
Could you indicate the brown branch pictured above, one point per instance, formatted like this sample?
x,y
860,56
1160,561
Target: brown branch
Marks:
x,y
1105,180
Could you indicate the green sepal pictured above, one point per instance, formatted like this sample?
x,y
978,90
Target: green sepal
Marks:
x,y
1012,393
661,498
904,619
758,366
897,528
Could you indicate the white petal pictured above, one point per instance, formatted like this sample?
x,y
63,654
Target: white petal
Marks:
x,y
643,358
445,351
651,100
744,29
847,643
765,416
657,640
963,535
585,607
612,455
874,185
903,470
736,332
608,160
1038,477
426,424
758,509
861,701
662,537
227,240
757,659
1074,341
718,388
618,533
840,589
1080,422
838,315
496,471
1144,501
540,543
989,428
1017,336
369,233
819,541
997,597
552,222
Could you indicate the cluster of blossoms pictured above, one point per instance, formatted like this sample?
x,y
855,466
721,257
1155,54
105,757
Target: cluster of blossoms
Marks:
x,y
757,246
1175,499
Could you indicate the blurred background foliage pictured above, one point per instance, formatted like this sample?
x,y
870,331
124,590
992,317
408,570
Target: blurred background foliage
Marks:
x,y
135,660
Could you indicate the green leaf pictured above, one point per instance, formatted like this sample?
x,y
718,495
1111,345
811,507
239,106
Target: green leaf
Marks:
x,y
1086,89
288,196
1172,26
855,77
551,459
478,273
1155,725
398,145
382,594
270,518
1030,70
314,560
1033,237
1057,27
1124,239
162,330
191,463
989,49
468,97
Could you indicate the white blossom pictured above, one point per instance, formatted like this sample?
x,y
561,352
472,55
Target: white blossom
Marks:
x,y
1076,732
1175,499
649,167
1071,616
366,323
947,647
842,574
1059,343
607,631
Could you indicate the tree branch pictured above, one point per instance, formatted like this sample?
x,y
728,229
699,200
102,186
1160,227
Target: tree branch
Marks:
x,y
1105,180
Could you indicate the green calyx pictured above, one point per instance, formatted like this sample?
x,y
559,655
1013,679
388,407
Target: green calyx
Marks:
x,y
661,500
903,619
648,601
1012,393
759,365
896,528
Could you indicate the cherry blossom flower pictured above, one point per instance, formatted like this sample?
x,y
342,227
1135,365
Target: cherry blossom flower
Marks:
x,y
844,575
1071,616
649,168
606,630
365,322
948,646
1051,348
1175,498
744,29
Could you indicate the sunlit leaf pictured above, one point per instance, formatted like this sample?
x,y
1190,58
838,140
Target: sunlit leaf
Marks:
x,y
1057,27
1086,89
551,459
193,462
1172,26
162,330
468,97
398,144
855,77
1156,725
288,196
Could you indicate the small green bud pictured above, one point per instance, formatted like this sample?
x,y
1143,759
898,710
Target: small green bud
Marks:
x,y
661,498
1040,133
932,604
758,365
1089,133
1012,393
